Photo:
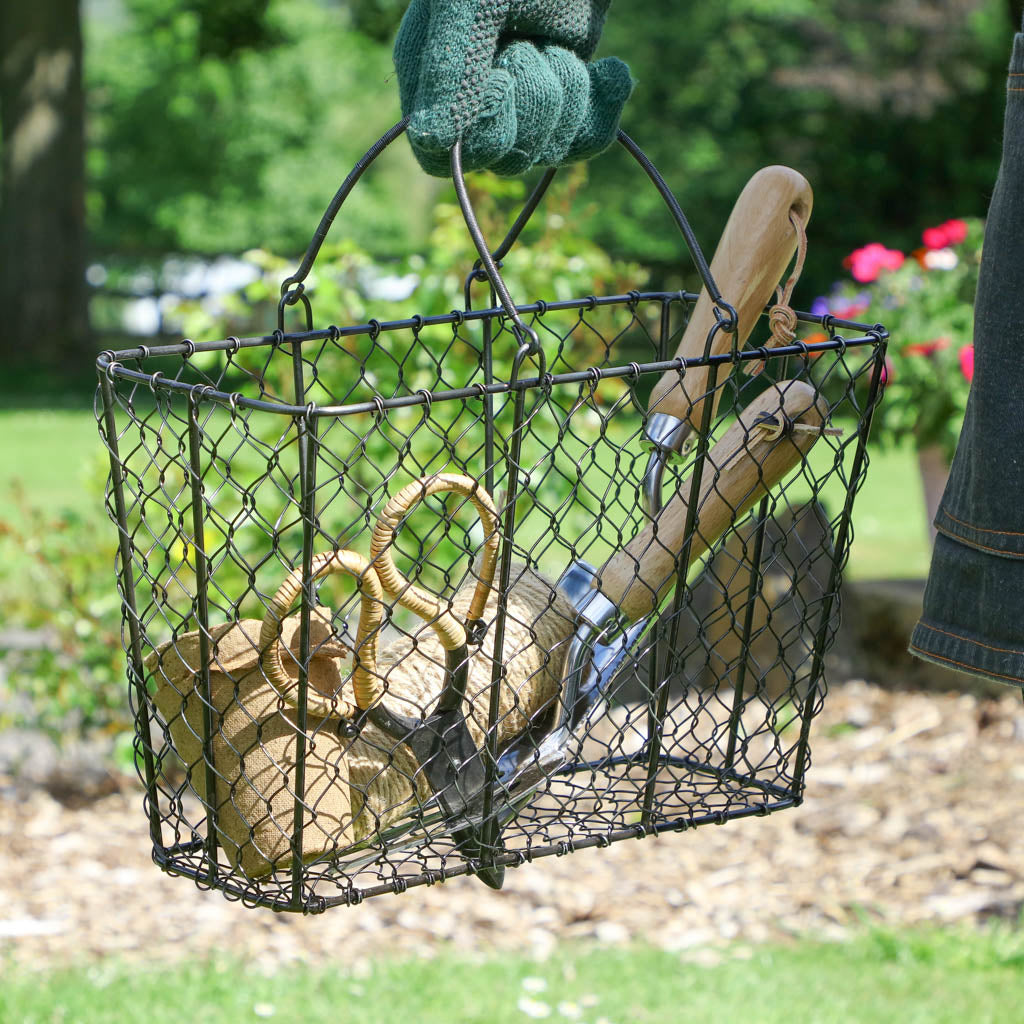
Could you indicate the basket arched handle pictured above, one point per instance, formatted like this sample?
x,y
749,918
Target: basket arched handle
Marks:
x,y
528,340
365,682
292,288
450,631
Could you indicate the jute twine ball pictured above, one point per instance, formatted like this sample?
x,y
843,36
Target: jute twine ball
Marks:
x,y
383,774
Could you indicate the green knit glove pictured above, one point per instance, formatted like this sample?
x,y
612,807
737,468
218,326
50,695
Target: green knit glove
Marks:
x,y
511,78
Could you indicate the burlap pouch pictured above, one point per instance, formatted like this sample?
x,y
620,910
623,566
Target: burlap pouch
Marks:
x,y
254,740
353,788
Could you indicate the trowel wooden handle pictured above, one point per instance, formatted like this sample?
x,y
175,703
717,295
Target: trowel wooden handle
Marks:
x,y
749,459
752,256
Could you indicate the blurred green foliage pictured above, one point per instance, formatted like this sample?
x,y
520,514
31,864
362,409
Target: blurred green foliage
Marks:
x,y
552,261
214,134
207,136
891,108
59,594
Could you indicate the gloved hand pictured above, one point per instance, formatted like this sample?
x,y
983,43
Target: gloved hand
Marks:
x,y
511,78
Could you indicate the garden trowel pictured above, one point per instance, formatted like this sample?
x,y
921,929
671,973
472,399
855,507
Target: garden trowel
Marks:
x,y
616,604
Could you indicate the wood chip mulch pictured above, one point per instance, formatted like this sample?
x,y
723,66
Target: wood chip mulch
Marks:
x,y
914,814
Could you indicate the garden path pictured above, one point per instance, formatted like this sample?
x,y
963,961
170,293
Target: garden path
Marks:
x,y
912,815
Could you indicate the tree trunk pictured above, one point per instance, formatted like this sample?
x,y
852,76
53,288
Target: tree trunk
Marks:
x,y
43,296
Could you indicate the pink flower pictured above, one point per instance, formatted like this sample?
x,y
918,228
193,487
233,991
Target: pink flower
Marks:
x,y
888,372
952,232
967,362
927,348
867,263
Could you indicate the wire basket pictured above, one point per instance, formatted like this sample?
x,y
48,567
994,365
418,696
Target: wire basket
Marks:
x,y
473,693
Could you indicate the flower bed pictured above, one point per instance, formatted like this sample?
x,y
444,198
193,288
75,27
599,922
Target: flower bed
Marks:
x,y
926,300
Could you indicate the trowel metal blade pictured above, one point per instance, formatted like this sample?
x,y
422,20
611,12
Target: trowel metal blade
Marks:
x,y
531,760
607,661
525,766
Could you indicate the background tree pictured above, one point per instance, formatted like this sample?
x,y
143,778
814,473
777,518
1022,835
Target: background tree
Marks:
x,y
42,190
213,134
892,108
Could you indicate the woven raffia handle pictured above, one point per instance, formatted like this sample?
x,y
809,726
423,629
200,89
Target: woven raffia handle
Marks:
x,y
450,631
753,253
365,683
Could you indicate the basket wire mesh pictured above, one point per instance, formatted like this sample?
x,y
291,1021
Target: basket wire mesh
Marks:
x,y
236,464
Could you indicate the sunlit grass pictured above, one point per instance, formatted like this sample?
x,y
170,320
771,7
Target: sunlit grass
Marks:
x,y
53,456
931,977
57,459
890,526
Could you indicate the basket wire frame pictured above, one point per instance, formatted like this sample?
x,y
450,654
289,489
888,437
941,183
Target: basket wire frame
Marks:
x,y
234,462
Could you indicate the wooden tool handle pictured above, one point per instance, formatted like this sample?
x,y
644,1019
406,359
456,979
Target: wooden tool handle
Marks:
x,y
741,468
752,256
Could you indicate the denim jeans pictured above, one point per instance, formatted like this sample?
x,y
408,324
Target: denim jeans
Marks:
x,y
973,618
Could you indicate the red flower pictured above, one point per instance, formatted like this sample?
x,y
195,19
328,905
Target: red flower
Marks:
x,y
817,338
956,232
967,362
867,263
927,348
952,232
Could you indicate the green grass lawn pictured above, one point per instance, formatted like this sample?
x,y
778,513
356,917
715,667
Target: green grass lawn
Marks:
x,y
914,978
53,455
890,526
58,458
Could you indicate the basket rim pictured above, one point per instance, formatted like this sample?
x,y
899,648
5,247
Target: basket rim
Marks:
x,y
110,363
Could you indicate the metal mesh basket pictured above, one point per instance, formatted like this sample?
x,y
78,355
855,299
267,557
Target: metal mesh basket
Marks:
x,y
496,725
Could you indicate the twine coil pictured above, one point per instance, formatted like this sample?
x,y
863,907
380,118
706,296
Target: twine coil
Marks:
x,y
781,317
385,780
